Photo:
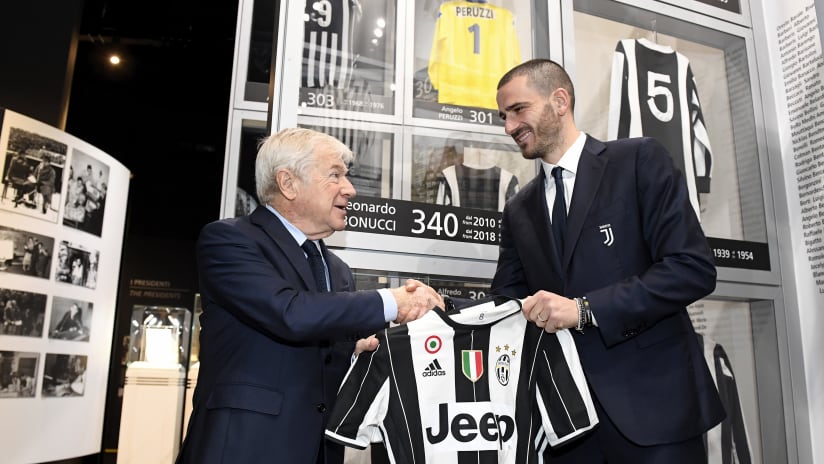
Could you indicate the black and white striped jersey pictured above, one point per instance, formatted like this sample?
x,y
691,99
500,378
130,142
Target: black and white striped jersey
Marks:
x,y
480,385
329,28
727,442
653,94
469,187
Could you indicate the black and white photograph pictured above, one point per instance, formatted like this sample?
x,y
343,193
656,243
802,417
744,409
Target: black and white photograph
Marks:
x,y
18,374
23,313
76,265
462,171
70,319
25,253
87,182
64,375
33,168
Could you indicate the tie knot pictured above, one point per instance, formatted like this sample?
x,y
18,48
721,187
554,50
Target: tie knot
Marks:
x,y
310,248
558,172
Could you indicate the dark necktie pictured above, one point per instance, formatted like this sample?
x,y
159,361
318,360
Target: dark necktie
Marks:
x,y
316,263
559,211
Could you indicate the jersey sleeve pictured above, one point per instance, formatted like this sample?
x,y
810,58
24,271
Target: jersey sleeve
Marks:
x,y
562,394
362,402
436,53
701,151
618,119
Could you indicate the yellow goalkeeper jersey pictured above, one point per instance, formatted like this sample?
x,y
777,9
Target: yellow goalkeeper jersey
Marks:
x,y
473,46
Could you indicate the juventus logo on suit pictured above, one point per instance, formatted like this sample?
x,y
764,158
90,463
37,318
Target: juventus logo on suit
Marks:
x,y
606,229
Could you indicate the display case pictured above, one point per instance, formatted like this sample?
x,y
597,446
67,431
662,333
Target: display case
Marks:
x,y
433,166
689,81
193,367
394,91
153,395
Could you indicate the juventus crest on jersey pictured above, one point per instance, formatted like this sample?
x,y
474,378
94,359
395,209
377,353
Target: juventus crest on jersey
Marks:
x,y
480,385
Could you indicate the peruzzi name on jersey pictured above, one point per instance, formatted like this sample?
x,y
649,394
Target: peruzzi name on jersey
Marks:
x,y
474,12
480,384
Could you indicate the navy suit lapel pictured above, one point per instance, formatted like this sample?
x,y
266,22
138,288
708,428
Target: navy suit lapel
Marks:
x,y
591,169
281,237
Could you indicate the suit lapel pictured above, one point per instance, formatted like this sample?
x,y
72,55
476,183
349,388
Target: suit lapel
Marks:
x,y
591,169
272,226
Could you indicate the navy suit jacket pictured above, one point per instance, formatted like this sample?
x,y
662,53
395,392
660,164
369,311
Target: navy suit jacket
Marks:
x,y
273,350
634,247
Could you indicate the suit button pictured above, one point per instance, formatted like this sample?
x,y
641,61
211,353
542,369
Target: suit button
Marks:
x,y
321,407
327,359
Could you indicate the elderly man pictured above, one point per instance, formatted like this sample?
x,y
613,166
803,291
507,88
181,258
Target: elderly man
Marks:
x,y
277,332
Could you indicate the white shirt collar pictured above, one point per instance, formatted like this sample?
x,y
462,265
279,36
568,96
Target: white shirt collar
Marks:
x,y
569,160
299,236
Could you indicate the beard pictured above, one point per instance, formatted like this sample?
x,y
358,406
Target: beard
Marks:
x,y
546,134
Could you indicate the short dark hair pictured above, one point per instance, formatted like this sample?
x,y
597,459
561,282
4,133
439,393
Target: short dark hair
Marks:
x,y
543,75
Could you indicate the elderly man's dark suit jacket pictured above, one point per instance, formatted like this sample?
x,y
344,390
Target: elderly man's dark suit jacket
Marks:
x,y
635,248
273,350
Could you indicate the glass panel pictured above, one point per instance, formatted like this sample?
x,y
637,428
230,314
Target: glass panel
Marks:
x,y
659,67
740,347
461,169
264,30
159,335
461,50
349,55
246,199
371,171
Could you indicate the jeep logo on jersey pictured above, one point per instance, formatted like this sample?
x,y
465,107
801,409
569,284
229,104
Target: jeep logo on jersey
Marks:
x,y
502,369
478,426
472,364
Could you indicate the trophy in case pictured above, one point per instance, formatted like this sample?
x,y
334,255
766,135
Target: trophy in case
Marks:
x,y
152,414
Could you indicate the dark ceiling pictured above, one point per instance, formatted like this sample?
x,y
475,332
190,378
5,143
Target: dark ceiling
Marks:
x,y
163,112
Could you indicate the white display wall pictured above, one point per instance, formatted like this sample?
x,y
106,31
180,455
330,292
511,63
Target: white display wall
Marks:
x,y
62,216
792,68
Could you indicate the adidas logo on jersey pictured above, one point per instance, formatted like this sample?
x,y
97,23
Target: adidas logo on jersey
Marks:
x,y
434,369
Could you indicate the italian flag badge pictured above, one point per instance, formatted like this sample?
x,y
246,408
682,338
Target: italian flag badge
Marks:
x,y
472,364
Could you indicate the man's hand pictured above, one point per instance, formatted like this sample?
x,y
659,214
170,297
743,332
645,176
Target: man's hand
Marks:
x,y
551,312
414,300
369,343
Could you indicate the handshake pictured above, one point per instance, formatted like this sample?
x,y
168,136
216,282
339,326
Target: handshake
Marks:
x,y
414,300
